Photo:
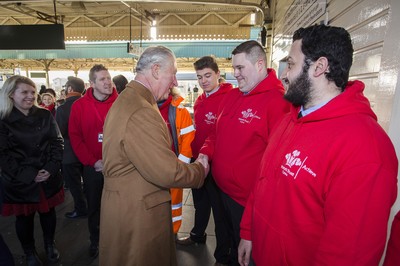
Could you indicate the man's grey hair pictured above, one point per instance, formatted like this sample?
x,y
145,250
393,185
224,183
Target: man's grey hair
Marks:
x,y
154,55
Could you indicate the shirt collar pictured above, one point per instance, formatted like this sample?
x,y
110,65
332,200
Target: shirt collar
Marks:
x,y
311,109
212,92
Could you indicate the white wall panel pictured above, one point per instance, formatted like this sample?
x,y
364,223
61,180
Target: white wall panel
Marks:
x,y
366,63
370,33
349,13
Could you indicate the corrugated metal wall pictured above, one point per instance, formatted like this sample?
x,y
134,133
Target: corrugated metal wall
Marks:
x,y
373,27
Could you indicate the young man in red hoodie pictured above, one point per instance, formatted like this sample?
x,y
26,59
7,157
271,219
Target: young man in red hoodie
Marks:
x,y
208,197
86,135
328,177
246,118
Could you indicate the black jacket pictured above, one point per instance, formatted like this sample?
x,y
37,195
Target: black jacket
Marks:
x,y
28,144
62,118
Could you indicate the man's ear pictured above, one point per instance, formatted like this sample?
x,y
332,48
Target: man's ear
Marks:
x,y
321,66
260,64
155,70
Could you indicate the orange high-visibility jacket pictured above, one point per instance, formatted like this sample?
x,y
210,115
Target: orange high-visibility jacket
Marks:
x,y
184,134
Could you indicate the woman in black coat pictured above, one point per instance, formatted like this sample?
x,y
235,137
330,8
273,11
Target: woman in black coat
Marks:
x,y
31,150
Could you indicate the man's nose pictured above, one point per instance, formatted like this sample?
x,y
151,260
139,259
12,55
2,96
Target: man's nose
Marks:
x,y
283,75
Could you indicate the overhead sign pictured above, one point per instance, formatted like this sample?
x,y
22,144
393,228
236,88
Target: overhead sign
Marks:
x,y
32,37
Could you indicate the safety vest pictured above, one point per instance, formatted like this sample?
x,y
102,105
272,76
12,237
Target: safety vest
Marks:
x,y
179,118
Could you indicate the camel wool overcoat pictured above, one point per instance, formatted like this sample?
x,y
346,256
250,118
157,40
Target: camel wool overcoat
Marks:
x,y
139,168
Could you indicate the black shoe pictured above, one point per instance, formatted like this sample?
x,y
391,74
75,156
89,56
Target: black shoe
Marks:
x,y
32,258
53,256
74,214
93,250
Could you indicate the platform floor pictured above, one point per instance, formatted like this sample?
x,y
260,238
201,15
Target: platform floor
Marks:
x,y
72,238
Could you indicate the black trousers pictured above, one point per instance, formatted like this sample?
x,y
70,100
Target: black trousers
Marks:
x,y
6,257
94,182
24,226
234,212
72,174
205,199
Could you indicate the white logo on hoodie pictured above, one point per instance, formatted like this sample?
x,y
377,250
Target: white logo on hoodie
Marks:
x,y
294,164
247,116
210,118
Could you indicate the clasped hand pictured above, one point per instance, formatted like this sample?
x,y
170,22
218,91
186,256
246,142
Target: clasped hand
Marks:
x,y
203,159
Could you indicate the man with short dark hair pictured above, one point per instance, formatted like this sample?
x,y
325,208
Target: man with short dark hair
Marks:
x,y
71,166
120,83
206,110
248,115
86,133
328,177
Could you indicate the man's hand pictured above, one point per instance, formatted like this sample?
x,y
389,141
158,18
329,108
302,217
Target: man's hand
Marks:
x,y
98,166
203,159
42,176
244,252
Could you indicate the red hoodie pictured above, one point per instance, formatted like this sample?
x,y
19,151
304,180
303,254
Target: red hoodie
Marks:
x,y
86,123
326,186
205,115
241,133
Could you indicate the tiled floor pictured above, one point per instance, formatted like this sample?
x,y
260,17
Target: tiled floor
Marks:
x,y
72,238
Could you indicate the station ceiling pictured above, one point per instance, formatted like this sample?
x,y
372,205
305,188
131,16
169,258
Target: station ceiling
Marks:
x,y
113,20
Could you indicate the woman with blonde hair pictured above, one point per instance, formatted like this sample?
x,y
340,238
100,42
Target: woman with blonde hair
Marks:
x,y
31,150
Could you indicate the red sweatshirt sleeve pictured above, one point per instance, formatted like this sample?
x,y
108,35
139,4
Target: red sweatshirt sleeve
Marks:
x,y
209,143
247,218
77,135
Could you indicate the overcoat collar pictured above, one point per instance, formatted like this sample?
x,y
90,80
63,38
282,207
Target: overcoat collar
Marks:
x,y
145,92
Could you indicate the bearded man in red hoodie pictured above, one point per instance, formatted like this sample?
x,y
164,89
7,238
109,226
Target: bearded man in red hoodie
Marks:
x,y
86,123
328,177
246,118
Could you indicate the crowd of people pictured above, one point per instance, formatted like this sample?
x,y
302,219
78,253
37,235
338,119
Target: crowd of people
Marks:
x,y
295,169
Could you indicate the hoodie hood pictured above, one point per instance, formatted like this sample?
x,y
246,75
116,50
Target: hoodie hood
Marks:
x,y
271,82
351,101
176,100
223,88
89,96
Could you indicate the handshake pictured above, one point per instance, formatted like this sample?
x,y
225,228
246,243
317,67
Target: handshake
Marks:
x,y
203,159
